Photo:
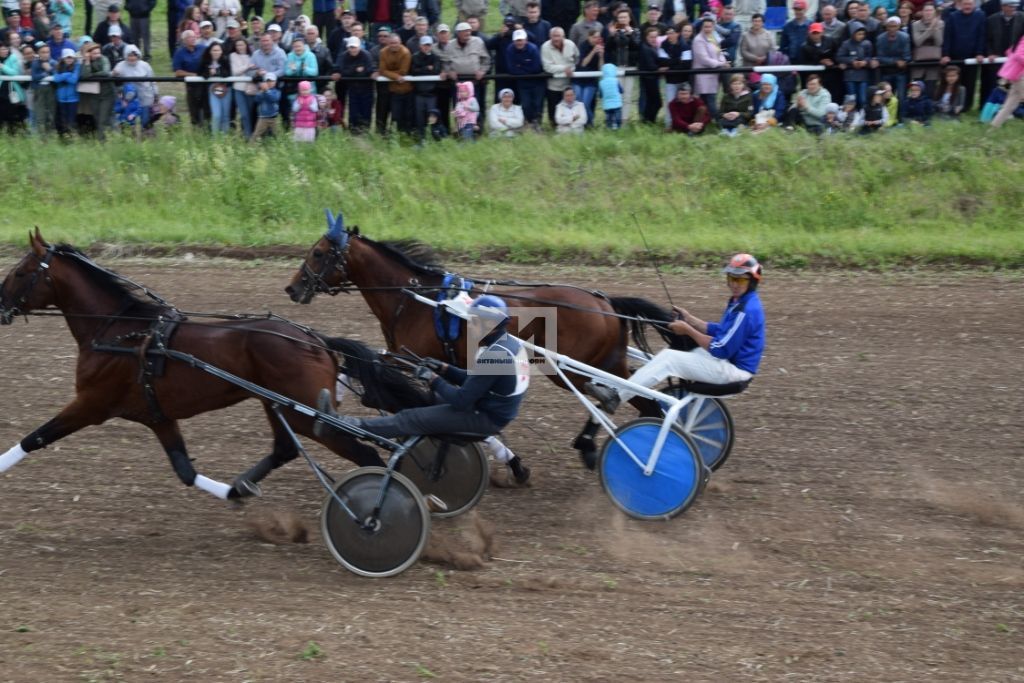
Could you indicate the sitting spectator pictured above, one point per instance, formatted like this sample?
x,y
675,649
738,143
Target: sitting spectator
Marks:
x,y
951,95
268,107
128,109
850,116
163,114
811,103
769,105
304,113
830,123
611,96
467,111
875,114
918,106
854,57
570,115
437,129
505,118
689,113
892,104
737,106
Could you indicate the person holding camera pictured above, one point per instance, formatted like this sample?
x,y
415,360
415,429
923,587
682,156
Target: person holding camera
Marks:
x,y
268,106
622,48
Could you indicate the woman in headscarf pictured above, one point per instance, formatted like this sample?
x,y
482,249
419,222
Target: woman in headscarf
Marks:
x,y
769,104
134,66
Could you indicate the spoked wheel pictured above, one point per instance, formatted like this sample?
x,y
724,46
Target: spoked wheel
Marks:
x,y
708,423
677,479
382,546
459,480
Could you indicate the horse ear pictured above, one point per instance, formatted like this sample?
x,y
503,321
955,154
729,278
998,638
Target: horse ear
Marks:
x,y
355,230
37,242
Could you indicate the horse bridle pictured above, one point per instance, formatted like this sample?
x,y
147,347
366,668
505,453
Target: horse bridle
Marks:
x,y
315,283
8,314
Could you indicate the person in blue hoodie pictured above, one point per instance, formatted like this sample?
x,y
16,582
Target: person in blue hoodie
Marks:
x,y
611,96
66,79
128,110
726,352
918,107
523,58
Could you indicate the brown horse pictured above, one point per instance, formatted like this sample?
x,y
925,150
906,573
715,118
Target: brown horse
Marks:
x,y
102,310
591,327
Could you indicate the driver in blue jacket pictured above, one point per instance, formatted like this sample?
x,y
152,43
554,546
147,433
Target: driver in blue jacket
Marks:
x,y
727,351
482,400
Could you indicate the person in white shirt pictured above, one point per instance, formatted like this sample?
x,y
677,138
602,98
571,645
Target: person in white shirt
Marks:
x,y
505,119
570,114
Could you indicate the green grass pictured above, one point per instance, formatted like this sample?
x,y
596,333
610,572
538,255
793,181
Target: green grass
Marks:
x,y
949,194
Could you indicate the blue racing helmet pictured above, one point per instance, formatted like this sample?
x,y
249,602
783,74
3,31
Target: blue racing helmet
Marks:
x,y
490,307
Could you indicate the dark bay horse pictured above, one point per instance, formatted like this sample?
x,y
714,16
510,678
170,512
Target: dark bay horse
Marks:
x,y
101,309
590,326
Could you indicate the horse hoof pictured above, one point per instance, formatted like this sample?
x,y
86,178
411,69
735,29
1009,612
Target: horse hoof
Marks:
x,y
520,472
243,488
588,452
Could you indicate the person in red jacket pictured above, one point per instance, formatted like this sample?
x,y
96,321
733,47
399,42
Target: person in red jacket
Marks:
x,y
689,114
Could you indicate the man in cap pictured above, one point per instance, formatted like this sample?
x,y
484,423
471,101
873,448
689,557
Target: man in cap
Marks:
x,y
794,32
524,60
1002,31
820,49
355,62
445,90
232,33
275,32
339,32
324,60
467,58
279,14
138,19
114,49
425,63
206,35
420,28
653,20
892,52
102,33
724,352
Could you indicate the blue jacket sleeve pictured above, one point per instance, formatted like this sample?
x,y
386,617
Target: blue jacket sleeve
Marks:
x,y
454,375
464,397
727,342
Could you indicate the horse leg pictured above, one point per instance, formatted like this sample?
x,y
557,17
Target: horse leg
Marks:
x,y
174,445
77,415
284,451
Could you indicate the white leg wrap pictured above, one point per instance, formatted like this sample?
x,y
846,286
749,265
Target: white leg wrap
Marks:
x,y
217,488
11,458
339,387
498,450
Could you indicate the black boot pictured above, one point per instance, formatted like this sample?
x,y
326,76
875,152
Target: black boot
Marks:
x,y
584,443
606,396
325,405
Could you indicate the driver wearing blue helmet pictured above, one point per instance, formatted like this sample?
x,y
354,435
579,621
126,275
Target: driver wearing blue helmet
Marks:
x,y
481,400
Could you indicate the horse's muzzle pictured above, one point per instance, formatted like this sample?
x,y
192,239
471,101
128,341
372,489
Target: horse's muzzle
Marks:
x,y
300,295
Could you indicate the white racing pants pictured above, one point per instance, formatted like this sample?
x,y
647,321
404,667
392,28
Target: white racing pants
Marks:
x,y
697,365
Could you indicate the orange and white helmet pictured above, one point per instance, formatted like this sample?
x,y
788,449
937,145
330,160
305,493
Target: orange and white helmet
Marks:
x,y
744,264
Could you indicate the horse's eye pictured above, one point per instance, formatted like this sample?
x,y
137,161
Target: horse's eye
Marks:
x,y
317,253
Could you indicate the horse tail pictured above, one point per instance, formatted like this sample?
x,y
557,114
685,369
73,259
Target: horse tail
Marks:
x,y
384,386
642,311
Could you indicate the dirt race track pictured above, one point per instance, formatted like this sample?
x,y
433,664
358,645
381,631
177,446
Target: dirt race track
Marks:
x,y
868,526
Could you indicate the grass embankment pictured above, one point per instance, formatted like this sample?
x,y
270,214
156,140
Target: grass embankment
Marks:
x,y
947,194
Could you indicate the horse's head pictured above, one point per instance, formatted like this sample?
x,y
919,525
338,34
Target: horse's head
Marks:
x,y
28,286
324,268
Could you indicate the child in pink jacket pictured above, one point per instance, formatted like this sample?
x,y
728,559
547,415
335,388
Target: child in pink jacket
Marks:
x,y
304,111
467,111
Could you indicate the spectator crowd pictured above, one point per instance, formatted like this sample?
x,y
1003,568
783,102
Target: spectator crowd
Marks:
x,y
885,63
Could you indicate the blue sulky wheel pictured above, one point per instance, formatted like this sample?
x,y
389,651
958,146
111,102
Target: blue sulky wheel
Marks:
x,y
460,481
712,429
675,483
393,541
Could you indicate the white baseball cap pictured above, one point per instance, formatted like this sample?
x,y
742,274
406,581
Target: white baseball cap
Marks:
x,y
443,28
519,34
426,40
274,27
205,23
462,26
352,41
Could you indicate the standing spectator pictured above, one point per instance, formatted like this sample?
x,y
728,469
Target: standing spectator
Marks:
x,y
63,14
951,96
964,38
820,49
729,33
383,103
44,100
591,59
190,19
102,34
1002,31
467,58
214,64
622,48
186,63
538,29
756,43
581,29
835,30
472,8
323,15
499,44
58,43
689,114
40,20
13,110
854,57
242,93
269,58
355,62
1012,71
467,111
918,106
671,59
337,35
66,80
395,63
385,12
304,113
811,104
138,13
445,92
505,118
135,67
653,20
906,16
300,63
926,36
114,49
224,11
99,106
206,36
425,63
268,104
870,24
745,10
737,107
558,58
175,13
650,85
560,13
881,14
420,28
794,32
611,96
708,55
570,115
524,60
892,52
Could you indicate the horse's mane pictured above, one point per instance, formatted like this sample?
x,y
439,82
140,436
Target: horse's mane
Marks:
x,y
132,303
411,253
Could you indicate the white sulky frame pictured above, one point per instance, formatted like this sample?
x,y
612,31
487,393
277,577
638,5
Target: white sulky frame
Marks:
x,y
562,364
